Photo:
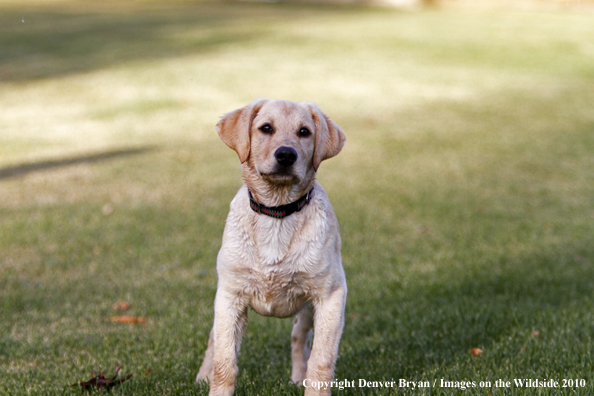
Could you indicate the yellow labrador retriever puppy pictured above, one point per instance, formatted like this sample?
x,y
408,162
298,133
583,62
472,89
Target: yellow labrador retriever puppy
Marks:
x,y
280,254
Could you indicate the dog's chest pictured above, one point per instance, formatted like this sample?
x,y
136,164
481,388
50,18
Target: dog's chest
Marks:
x,y
279,295
282,265
275,240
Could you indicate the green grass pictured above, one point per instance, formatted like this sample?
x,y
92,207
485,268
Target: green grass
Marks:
x,y
465,191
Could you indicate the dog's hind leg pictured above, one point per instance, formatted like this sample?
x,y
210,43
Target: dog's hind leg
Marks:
x,y
301,337
206,369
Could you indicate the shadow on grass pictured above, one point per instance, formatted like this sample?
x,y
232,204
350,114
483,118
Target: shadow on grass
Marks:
x,y
59,40
498,310
24,169
72,37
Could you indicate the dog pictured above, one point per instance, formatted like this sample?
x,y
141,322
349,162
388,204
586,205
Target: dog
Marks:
x,y
280,254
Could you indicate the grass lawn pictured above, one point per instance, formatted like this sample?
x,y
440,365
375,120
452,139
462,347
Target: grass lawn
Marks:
x,y
465,192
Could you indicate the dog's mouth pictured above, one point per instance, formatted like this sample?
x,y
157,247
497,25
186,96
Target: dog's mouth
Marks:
x,y
285,176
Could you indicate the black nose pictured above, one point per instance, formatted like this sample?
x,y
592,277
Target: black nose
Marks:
x,y
285,156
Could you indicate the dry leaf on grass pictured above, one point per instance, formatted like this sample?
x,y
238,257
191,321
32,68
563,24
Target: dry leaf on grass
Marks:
x,y
99,381
107,209
128,319
121,306
476,351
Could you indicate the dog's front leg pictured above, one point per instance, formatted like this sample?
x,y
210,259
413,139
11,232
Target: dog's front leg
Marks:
x,y
328,325
229,325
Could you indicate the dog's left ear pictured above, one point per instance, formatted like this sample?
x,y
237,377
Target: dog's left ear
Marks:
x,y
235,127
329,137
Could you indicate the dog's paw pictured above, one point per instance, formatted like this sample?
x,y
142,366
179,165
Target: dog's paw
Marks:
x,y
203,376
297,379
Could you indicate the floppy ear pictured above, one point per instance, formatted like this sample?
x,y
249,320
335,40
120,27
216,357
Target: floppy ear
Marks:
x,y
235,127
329,137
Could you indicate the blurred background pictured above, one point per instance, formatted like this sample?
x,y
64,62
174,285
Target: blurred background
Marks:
x,y
464,191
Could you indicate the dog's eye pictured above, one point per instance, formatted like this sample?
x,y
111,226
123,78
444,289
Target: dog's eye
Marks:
x,y
266,128
304,132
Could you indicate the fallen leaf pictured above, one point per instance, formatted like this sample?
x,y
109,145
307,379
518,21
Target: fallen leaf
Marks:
x,y
99,381
147,372
107,209
476,351
121,306
128,319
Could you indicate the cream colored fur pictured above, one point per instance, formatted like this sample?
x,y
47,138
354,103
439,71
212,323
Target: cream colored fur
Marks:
x,y
279,267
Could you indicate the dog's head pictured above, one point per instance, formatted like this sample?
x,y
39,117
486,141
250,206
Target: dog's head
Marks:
x,y
283,142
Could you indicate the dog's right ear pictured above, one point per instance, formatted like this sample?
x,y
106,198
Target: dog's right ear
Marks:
x,y
235,128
